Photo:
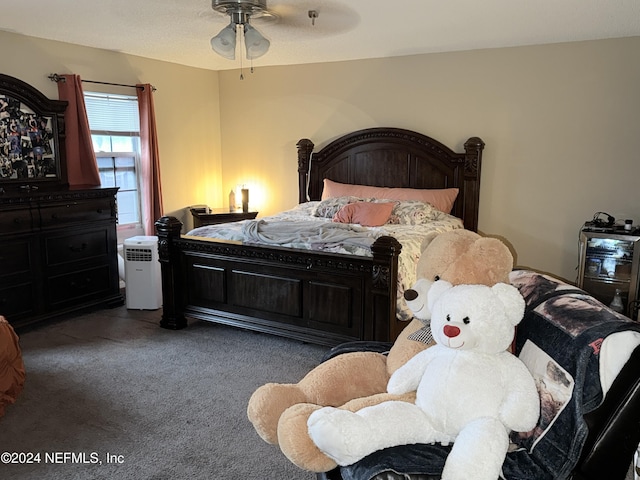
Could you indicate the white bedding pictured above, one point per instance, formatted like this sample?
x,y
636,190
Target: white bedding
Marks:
x,y
292,228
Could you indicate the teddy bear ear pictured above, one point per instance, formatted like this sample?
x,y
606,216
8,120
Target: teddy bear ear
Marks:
x,y
436,290
493,261
426,241
512,300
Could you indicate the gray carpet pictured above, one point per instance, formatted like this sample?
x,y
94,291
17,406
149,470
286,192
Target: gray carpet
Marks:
x,y
162,404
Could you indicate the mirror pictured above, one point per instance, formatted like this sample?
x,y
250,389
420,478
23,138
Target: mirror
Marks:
x,y
31,150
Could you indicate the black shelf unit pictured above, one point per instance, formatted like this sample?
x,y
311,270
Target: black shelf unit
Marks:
x,y
610,261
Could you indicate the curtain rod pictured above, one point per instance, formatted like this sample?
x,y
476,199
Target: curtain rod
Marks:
x,y
54,77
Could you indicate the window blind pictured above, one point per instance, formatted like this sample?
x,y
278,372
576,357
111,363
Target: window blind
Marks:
x,y
112,113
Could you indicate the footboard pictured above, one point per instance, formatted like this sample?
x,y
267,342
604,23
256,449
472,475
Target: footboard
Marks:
x,y
310,296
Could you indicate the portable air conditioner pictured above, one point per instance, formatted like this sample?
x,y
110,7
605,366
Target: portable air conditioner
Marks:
x,y
142,276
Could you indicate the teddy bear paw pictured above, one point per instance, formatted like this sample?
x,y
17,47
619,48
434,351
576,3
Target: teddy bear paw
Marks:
x,y
340,434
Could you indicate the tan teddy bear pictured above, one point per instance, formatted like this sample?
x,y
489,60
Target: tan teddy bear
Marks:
x,y
354,380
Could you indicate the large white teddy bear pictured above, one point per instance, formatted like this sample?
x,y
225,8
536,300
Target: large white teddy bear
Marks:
x,y
470,389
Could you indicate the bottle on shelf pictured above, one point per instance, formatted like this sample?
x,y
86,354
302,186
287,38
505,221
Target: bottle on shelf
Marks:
x,y
628,225
617,304
232,201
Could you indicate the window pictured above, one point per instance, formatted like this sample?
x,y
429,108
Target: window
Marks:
x,y
115,131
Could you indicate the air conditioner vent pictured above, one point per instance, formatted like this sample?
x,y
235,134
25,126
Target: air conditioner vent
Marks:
x,y
139,255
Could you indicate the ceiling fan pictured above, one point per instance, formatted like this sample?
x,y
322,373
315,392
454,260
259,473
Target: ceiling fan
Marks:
x,y
288,14
240,12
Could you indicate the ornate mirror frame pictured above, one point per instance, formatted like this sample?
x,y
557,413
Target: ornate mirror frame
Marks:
x,y
32,146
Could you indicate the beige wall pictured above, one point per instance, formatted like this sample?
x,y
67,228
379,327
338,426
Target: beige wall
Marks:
x,y
186,104
560,123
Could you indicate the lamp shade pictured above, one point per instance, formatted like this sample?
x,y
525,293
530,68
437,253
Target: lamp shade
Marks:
x,y
256,44
225,42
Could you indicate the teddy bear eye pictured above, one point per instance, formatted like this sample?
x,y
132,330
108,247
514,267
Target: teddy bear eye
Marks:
x,y
436,278
466,320
448,318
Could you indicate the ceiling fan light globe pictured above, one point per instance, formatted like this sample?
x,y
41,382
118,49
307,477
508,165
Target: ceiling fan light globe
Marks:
x,y
255,43
224,43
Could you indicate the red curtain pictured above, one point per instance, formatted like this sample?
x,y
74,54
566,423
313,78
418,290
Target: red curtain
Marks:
x,y
150,160
82,168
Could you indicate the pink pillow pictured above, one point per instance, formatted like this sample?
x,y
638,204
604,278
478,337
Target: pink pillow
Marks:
x,y
365,214
442,199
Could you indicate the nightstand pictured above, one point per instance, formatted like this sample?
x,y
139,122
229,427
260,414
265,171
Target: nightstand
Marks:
x,y
213,216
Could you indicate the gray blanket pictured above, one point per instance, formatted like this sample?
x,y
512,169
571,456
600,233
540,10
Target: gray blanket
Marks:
x,y
323,236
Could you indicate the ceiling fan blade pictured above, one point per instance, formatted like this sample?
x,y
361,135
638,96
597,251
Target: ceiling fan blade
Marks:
x,y
332,17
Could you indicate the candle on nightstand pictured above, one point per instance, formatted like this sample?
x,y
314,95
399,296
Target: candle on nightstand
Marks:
x,y
245,200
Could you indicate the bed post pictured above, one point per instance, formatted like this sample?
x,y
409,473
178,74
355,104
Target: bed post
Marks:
x,y
384,289
305,147
472,163
168,230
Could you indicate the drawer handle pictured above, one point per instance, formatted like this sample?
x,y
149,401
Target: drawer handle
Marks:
x,y
17,220
81,248
80,286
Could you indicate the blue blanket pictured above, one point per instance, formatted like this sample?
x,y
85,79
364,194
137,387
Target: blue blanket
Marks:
x,y
559,339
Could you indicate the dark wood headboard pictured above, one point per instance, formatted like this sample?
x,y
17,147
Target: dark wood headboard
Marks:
x,y
394,157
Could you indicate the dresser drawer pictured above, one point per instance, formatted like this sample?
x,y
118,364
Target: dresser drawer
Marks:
x,y
16,221
17,301
76,246
83,284
80,211
15,258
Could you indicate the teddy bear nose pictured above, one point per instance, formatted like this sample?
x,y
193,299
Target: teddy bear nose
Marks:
x,y
410,294
451,331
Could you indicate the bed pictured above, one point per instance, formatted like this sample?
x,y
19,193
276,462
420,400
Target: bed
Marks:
x,y
319,296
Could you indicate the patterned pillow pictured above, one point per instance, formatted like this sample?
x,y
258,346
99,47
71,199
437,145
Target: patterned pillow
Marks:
x,y
413,212
329,207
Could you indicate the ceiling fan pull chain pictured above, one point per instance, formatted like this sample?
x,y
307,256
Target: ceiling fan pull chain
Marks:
x,y
241,42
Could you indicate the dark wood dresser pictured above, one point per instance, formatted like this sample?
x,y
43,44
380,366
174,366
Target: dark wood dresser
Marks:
x,y
58,253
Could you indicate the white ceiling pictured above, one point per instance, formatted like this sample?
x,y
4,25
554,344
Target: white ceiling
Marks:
x,y
179,31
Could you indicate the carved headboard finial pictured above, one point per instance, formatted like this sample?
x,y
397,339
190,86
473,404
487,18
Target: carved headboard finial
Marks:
x,y
305,147
473,154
